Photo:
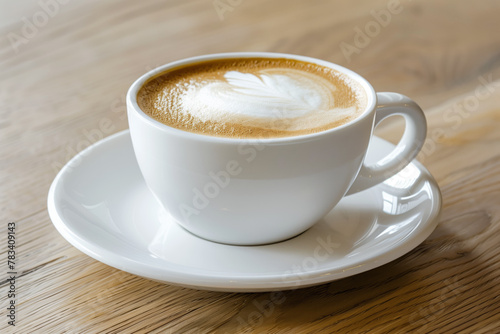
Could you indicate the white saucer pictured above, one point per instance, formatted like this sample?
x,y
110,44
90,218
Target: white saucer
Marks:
x,y
100,204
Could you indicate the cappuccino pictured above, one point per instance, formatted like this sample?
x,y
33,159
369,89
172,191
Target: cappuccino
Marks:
x,y
252,98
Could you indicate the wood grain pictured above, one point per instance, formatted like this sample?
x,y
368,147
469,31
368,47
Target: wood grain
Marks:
x,y
64,89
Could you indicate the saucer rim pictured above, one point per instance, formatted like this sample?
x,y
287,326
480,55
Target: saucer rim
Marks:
x,y
213,281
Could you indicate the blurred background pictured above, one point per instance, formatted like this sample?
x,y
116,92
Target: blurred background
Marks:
x,y
85,54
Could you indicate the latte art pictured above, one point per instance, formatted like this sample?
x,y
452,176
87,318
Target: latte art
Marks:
x,y
249,98
270,95
266,95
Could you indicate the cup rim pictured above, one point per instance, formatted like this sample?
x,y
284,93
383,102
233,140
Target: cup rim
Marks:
x,y
132,105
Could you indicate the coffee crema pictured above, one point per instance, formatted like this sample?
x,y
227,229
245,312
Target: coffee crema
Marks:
x,y
252,98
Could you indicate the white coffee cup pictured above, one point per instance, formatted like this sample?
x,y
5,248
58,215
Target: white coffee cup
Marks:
x,y
257,191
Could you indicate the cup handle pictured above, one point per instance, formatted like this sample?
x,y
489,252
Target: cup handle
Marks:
x,y
390,104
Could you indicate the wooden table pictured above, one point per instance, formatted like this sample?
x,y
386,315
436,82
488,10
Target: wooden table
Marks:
x,y
65,67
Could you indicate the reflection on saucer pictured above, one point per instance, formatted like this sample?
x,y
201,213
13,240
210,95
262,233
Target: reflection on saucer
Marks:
x,y
120,223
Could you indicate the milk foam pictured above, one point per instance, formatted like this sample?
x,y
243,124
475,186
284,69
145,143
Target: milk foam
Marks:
x,y
274,98
252,98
